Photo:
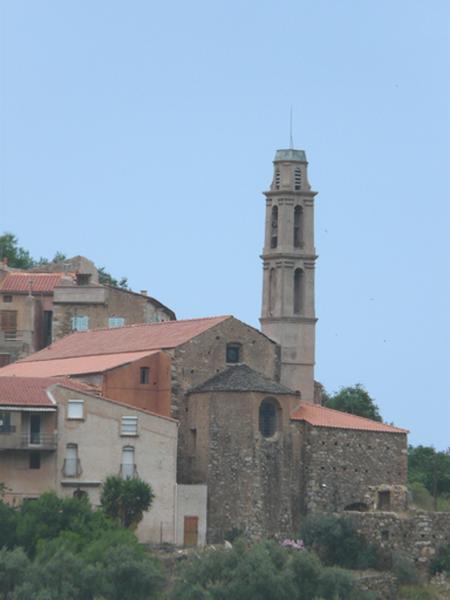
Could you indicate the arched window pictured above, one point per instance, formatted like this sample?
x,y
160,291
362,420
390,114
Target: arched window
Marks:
x,y
127,468
269,410
71,467
298,291
274,228
297,179
298,227
272,290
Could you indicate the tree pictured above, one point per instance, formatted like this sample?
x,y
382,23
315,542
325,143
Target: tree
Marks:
x,y
354,400
15,255
126,499
107,279
337,542
430,468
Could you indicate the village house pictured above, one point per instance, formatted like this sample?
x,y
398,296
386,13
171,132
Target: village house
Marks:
x,y
56,434
44,304
252,435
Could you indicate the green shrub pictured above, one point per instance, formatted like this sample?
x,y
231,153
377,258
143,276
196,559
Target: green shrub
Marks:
x,y
418,592
421,496
337,542
13,566
404,568
441,562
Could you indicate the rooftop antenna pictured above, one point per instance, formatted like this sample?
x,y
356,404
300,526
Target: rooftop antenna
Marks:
x,y
291,139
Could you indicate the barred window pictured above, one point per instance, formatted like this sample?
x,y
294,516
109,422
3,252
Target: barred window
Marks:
x,y
129,426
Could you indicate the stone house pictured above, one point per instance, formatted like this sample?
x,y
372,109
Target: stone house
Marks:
x,y
56,434
40,306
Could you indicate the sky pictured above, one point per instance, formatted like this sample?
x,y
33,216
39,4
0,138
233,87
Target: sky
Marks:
x,y
141,134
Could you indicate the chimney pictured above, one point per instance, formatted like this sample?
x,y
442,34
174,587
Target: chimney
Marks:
x,y
144,292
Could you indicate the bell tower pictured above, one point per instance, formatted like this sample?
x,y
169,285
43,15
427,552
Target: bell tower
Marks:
x,y
288,314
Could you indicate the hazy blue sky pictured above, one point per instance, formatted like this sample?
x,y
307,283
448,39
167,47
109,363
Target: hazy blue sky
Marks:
x,y
141,134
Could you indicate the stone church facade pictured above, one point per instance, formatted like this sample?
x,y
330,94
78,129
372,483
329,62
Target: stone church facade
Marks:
x,y
250,427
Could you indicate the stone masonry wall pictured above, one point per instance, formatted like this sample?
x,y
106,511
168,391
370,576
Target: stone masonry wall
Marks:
x,y
134,308
204,356
341,467
253,482
418,534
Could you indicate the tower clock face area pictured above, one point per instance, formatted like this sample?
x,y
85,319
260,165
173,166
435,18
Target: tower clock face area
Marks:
x,y
288,314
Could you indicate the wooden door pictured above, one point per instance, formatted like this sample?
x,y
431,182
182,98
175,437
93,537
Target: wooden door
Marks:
x,y
190,531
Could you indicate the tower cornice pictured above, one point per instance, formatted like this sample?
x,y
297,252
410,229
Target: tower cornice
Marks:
x,y
289,256
296,194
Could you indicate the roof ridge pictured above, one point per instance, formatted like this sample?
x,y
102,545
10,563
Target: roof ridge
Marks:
x,y
153,323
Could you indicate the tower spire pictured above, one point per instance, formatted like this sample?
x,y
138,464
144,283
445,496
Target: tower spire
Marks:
x,y
291,139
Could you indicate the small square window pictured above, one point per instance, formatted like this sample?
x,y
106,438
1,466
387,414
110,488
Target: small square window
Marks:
x,y
129,426
114,322
233,353
145,375
75,409
35,460
80,323
7,298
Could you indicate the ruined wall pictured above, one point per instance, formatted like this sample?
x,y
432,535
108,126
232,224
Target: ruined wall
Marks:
x,y
205,355
418,534
253,481
341,466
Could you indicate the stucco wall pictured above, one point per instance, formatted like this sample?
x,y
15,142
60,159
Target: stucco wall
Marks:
x,y
100,444
123,384
191,502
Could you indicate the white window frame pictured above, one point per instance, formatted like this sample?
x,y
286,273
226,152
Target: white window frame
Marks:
x,y
129,425
80,323
75,409
71,461
128,466
115,322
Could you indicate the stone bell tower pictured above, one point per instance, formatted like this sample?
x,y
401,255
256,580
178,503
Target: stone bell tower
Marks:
x,y
288,315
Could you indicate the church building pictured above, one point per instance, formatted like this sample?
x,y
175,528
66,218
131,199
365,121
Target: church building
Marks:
x,y
251,429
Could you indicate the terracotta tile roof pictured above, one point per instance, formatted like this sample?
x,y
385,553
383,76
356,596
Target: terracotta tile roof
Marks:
x,y
319,416
37,282
31,391
134,338
79,365
241,378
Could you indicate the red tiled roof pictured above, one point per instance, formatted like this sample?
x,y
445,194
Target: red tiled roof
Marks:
x,y
31,391
134,338
36,282
79,365
319,416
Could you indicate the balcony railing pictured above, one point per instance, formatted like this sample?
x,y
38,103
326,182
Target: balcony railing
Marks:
x,y
71,467
34,441
15,335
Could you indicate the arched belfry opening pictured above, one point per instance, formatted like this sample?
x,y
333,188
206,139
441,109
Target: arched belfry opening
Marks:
x,y
274,228
298,227
299,291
